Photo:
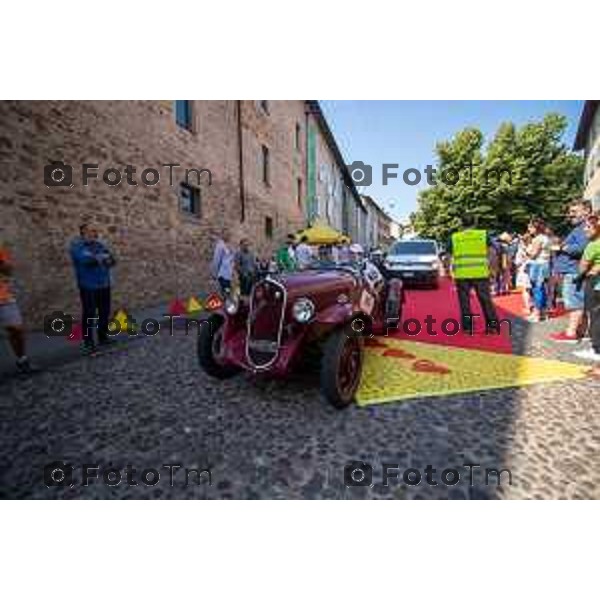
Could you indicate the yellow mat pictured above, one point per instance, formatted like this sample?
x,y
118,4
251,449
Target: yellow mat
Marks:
x,y
400,369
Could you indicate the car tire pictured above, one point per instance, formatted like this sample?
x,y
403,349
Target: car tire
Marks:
x,y
208,343
341,368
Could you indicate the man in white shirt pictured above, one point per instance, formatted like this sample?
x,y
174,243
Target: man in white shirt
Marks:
x,y
304,255
222,263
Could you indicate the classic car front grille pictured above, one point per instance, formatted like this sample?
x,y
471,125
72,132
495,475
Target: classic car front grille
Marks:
x,y
265,323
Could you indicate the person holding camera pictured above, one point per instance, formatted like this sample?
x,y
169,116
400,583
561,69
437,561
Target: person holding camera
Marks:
x,y
10,316
93,261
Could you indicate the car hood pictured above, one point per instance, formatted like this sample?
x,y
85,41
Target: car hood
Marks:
x,y
411,258
320,286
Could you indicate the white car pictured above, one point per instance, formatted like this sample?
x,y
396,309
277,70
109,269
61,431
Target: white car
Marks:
x,y
415,261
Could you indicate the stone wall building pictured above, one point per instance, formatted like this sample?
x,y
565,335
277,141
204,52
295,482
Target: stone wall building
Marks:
x,y
251,180
379,229
332,196
588,140
387,229
274,171
371,235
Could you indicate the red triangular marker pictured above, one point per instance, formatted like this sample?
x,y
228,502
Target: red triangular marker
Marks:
x,y
213,302
177,307
76,333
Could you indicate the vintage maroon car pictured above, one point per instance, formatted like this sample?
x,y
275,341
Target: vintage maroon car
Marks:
x,y
329,309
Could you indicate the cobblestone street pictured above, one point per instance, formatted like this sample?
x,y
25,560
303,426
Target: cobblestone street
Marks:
x,y
147,404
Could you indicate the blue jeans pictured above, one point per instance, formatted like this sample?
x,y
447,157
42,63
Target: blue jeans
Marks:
x,y
539,273
573,298
225,285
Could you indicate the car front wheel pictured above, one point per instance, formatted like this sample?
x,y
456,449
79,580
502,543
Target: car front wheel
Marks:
x,y
210,350
341,368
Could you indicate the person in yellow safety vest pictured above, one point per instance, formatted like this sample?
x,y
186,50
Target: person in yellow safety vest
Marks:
x,y
471,270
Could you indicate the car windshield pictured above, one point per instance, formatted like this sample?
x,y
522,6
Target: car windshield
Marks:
x,y
327,264
415,247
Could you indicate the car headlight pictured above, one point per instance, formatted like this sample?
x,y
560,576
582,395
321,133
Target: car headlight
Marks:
x,y
232,305
303,310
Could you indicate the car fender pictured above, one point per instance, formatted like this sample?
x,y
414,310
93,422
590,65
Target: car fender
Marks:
x,y
336,314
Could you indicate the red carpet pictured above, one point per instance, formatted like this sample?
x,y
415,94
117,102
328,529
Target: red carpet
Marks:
x,y
513,304
442,304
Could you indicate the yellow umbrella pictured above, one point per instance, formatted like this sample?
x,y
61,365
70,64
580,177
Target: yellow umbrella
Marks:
x,y
320,233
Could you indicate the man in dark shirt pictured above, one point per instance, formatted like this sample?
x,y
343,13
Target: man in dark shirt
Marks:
x,y
245,264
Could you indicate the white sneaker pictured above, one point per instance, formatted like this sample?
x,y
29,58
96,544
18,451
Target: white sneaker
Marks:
x,y
588,354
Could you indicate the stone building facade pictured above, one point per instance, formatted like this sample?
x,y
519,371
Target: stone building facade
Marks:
x,y
250,158
274,171
387,229
379,231
588,140
371,222
332,197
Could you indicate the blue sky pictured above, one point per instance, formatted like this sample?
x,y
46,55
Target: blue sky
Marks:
x,y
405,132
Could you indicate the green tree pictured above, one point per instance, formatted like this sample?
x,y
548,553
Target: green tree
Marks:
x,y
523,172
